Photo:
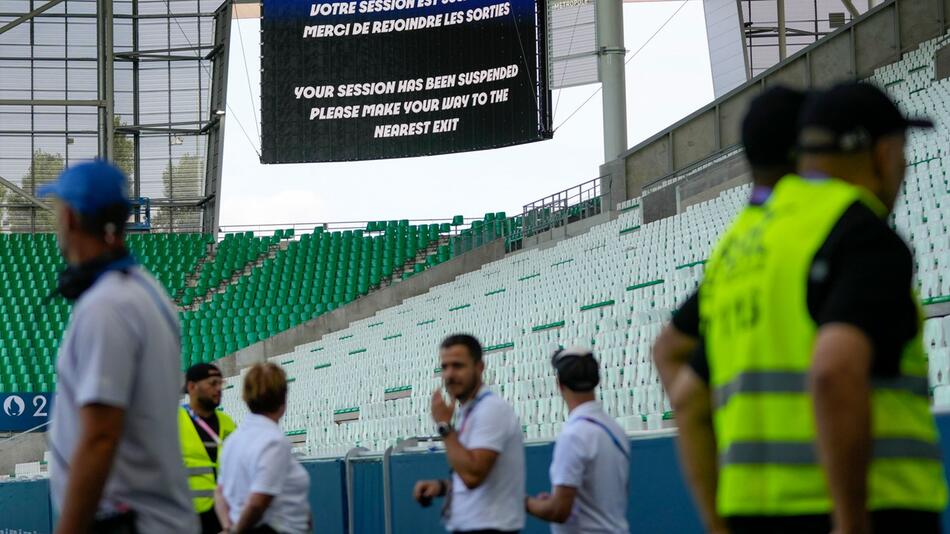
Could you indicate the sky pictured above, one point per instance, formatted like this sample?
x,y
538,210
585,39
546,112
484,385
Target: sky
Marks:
x,y
666,80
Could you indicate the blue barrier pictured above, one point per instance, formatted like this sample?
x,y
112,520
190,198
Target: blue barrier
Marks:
x,y
537,461
405,470
943,426
659,501
327,496
368,517
25,508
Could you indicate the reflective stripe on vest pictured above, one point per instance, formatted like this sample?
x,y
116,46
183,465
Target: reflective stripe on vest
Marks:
x,y
195,471
797,382
798,453
202,494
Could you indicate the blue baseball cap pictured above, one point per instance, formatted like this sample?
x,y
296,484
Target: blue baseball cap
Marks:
x,y
89,187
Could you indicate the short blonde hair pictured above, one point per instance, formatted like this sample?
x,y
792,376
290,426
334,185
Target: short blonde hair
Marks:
x,y
265,388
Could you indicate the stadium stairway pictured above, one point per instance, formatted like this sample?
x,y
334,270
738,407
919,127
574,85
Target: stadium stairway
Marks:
x,y
214,276
425,258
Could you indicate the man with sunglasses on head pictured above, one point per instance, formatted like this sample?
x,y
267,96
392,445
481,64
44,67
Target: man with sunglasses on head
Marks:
x,y
202,429
591,465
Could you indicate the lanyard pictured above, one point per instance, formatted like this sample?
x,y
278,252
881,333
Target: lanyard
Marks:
x,y
447,505
204,426
760,195
609,433
162,309
468,412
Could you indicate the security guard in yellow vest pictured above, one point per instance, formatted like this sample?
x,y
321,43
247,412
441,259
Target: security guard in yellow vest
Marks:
x,y
769,136
202,430
812,341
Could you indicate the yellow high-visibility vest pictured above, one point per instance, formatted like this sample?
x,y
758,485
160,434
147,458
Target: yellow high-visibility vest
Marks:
x,y
759,339
202,471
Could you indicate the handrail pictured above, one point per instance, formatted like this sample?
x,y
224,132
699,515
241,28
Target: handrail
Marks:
x,y
556,198
685,172
328,225
556,209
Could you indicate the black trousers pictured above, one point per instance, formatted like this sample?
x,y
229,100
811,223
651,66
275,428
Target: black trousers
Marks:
x,y
882,522
209,522
123,523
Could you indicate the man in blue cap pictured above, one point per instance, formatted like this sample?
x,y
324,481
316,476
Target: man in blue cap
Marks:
x,y
116,461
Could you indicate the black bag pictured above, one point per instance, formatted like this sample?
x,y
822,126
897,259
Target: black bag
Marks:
x,y
123,523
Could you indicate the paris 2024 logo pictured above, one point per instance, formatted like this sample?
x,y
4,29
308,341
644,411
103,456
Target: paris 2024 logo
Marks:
x,y
14,406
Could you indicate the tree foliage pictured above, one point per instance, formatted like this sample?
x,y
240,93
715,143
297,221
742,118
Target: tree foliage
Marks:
x,y
181,179
44,168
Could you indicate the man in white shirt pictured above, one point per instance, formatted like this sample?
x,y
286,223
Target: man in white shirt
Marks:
x,y
116,461
591,465
485,453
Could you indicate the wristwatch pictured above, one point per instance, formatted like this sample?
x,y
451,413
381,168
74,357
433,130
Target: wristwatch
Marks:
x,y
445,429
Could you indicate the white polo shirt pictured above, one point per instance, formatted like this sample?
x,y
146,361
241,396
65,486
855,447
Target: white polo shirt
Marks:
x,y
257,459
488,422
122,349
587,458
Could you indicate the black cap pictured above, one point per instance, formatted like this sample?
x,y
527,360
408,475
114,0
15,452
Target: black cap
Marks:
x,y
770,127
200,371
851,117
576,368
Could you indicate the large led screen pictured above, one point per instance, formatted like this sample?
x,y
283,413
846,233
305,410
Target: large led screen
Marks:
x,y
379,79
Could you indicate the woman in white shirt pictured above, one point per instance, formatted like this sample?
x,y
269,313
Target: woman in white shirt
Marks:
x,y
262,488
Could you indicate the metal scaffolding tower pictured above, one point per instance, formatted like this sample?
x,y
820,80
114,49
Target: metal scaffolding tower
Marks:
x,y
139,82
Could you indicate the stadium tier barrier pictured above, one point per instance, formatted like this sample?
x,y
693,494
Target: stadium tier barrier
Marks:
x,y
658,500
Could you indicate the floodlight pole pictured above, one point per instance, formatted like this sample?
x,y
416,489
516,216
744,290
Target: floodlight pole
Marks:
x,y
106,53
610,63
782,31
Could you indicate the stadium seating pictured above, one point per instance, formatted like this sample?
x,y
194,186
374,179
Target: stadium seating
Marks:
x,y
303,278
33,325
170,257
232,254
243,289
922,213
611,288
